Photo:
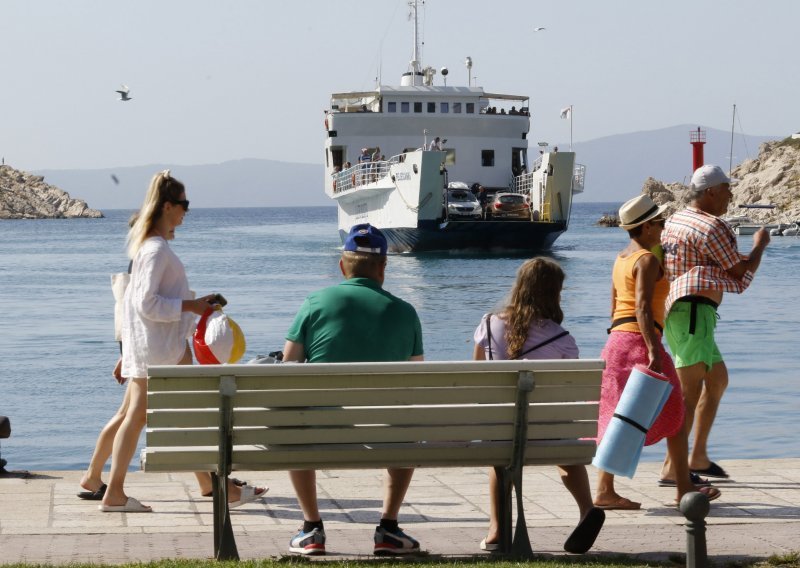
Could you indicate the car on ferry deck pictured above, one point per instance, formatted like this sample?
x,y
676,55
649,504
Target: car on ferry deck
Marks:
x,y
461,203
509,206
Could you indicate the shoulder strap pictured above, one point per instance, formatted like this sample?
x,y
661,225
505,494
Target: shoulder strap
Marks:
x,y
543,343
489,334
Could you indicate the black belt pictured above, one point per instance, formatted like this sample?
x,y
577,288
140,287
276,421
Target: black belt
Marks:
x,y
695,300
631,319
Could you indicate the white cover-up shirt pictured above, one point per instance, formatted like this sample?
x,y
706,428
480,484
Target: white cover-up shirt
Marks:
x,y
154,329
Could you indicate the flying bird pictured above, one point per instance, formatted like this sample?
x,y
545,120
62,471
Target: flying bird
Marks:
x,y
123,93
539,29
115,179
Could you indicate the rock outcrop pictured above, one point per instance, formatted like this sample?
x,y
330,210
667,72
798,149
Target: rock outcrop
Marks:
x,y
27,196
773,178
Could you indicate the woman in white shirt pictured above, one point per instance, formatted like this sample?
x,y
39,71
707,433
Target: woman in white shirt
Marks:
x,y
158,318
529,327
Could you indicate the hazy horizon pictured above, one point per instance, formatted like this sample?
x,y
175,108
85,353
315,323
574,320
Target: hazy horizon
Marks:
x,y
212,83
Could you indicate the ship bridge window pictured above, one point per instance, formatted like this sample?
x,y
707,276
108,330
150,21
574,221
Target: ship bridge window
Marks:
x,y
457,108
417,107
444,108
487,157
431,107
470,108
391,106
404,107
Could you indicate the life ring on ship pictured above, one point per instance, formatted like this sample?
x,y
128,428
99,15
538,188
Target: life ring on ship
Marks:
x,y
326,123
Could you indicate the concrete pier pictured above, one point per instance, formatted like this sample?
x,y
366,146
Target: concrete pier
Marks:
x,y
42,520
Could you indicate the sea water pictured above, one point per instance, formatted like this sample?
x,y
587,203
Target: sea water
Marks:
x,y
57,348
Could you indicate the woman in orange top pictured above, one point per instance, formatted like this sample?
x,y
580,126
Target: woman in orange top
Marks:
x,y
637,307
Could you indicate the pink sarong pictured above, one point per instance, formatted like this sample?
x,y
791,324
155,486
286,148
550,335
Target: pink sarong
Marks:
x,y
623,350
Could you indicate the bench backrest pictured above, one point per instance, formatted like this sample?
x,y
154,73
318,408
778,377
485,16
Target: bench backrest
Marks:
x,y
361,415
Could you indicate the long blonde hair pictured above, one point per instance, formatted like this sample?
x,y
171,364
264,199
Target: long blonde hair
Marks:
x,y
163,189
536,296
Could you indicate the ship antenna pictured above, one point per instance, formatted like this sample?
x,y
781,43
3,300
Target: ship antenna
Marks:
x,y
415,62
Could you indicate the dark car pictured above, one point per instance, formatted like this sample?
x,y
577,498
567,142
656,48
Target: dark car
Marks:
x,y
509,206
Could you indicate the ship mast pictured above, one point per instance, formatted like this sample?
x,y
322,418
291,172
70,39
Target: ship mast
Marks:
x,y
414,74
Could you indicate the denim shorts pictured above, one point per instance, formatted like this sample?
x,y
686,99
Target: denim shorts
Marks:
x,y
689,330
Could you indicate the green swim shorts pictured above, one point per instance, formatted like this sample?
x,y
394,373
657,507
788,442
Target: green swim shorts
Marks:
x,y
692,342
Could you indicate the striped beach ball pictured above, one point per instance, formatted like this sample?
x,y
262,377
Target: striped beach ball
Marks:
x,y
218,339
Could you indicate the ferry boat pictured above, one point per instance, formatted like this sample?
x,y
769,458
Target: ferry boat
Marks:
x,y
391,153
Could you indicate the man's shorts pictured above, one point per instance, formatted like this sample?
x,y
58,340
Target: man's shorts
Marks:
x,y
691,339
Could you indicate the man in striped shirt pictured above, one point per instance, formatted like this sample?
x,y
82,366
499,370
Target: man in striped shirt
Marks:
x,y
702,261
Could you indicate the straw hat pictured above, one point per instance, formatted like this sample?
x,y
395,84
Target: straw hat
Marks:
x,y
638,210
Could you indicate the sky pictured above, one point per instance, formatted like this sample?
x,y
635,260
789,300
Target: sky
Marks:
x,y
218,81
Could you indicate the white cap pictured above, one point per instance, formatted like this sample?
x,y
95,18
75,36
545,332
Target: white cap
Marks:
x,y
709,176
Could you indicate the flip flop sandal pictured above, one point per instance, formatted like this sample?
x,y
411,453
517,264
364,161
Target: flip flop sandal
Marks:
x,y
236,482
713,470
132,505
693,477
489,546
94,495
249,493
711,493
623,504
584,535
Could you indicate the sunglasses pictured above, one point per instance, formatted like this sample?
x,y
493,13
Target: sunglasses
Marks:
x,y
659,222
182,202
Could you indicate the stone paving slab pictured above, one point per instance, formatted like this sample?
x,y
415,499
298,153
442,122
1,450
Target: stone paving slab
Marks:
x,y
42,521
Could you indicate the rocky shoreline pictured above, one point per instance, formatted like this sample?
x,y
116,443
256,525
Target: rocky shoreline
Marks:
x,y
27,196
773,178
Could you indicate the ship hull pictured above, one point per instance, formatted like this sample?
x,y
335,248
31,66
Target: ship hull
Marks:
x,y
472,235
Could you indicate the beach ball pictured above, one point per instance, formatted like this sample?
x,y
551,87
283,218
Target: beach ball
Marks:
x,y
218,339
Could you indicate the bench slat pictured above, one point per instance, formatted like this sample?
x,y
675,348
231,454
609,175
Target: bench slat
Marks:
x,y
368,434
358,457
198,382
370,369
411,415
371,397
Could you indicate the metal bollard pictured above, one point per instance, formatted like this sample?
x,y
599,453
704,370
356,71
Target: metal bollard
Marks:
x,y
695,507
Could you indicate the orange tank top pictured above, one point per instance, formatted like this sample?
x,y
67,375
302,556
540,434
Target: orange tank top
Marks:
x,y
625,291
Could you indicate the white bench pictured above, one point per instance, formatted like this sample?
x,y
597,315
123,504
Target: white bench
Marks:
x,y
502,414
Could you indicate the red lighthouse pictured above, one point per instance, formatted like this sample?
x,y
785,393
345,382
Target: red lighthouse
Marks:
x,y
698,139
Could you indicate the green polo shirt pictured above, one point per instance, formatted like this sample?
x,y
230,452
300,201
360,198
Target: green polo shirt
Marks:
x,y
356,321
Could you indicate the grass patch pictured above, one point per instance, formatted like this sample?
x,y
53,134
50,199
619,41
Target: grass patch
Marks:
x,y
791,560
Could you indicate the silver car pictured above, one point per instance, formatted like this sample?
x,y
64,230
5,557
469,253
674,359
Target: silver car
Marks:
x,y
462,203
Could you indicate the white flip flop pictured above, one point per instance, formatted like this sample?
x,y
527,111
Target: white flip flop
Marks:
x,y
248,494
132,505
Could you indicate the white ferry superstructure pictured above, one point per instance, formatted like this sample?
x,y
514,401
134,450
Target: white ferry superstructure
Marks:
x,y
403,190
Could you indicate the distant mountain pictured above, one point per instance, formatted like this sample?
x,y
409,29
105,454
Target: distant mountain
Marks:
x,y
237,183
617,166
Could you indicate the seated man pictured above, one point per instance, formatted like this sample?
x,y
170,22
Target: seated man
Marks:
x,y
355,321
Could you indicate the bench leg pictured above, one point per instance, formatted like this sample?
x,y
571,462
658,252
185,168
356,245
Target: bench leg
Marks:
x,y
224,542
504,508
521,547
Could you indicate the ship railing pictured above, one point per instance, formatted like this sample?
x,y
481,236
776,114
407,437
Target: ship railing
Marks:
x,y
527,184
362,174
578,178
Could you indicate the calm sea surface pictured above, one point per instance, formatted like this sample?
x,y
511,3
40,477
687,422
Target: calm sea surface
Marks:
x,y
56,329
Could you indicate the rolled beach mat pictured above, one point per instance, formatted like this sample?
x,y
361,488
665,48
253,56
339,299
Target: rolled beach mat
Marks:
x,y
642,399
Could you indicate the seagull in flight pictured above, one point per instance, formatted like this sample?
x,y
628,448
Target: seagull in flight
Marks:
x,y
539,29
123,93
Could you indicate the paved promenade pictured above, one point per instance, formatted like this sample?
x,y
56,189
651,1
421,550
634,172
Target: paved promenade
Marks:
x,y
42,521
